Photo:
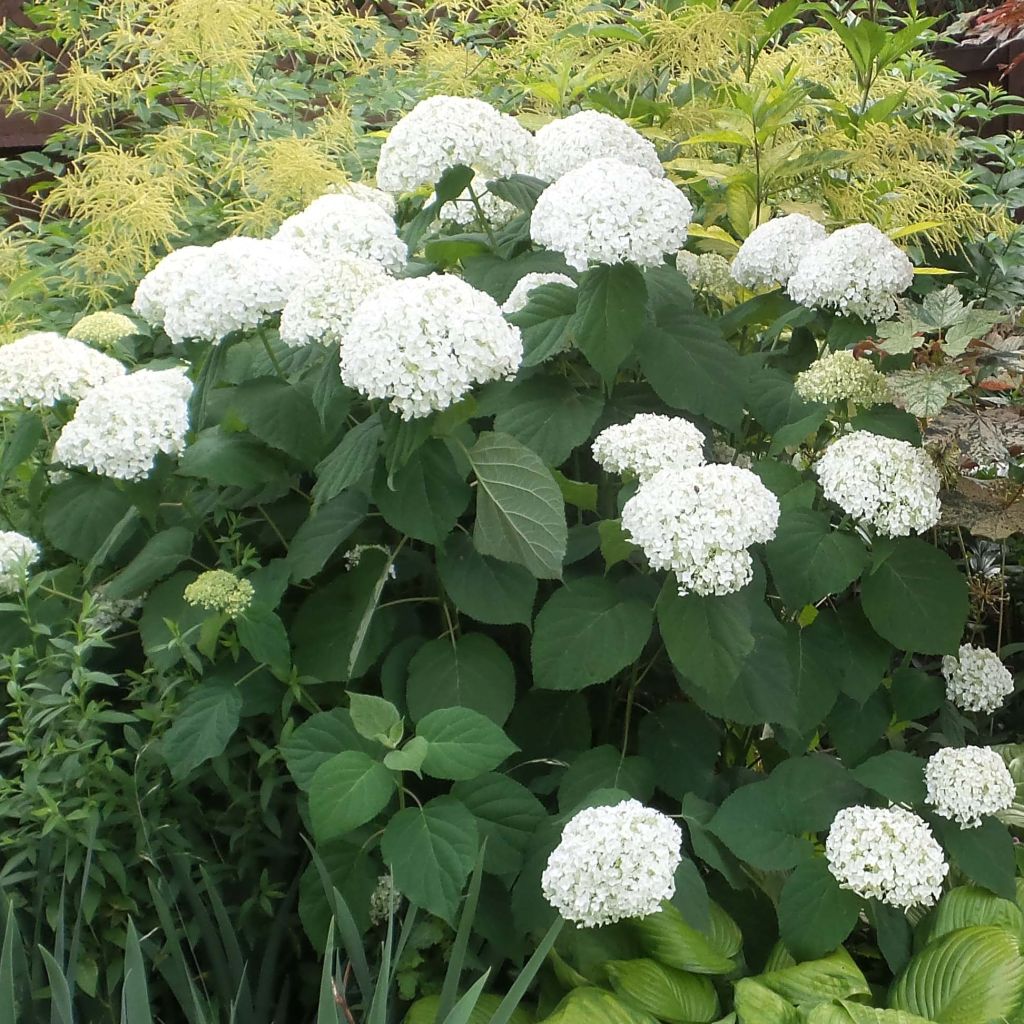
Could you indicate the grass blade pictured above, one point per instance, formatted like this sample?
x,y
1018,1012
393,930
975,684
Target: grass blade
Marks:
x,y
457,956
174,969
134,991
327,1008
60,996
508,1005
8,993
463,1009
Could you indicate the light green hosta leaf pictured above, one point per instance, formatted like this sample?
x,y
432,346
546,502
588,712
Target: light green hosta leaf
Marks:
x,y
347,790
462,744
424,1011
663,992
595,1006
756,1004
845,1012
971,976
667,938
206,720
968,905
818,981
815,915
924,391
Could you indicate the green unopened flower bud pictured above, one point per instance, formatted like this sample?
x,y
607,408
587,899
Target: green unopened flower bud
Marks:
x,y
221,591
103,328
842,377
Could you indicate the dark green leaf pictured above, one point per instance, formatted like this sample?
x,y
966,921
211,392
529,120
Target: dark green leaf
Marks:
x,y
896,775
462,743
610,315
546,322
162,554
346,791
80,514
262,633
281,415
815,915
983,854
319,536
604,769
349,462
231,460
21,443
486,589
318,739
206,720
682,743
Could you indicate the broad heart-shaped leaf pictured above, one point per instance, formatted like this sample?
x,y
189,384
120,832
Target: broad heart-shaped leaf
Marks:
x,y
546,322
603,769
815,915
161,555
809,560
589,1005
321,534
520,514
347,790
667,938
984,854
431,851
835,976
349,462
375,718
470,672
971,976
611,313
915,597
663,992
318,739
281,415
896,775
485,589
683,744
587,632
463,744
426,496
206,720
262,633
232,460
81,513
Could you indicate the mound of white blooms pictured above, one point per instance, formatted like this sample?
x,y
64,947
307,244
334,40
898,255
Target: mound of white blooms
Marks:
x,y
976,680
119,427
608,211
571,142
369,194
842,377
648,443
206,292
886,854
337,225
520,295
462,210
443,132
104,327
17,553
772,251
967,783
42,369
882,481
857,270
613,863
423,342
322,304
698,522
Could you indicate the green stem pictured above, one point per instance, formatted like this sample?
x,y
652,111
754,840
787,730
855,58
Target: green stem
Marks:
x,y
484,222
273,359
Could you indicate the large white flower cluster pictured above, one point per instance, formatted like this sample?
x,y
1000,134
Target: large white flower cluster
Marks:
x,y
44,368
613,863
322,304
882,481
842,377
423,342
17,553
462,211
119,427
771,252
967,783
648,443
573,141
699,522
445,131
520,294
338,225
208,292
608,211
976,680
369,194
886,854
857,270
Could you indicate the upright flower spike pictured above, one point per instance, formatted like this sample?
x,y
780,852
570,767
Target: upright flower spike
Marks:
x,y
570,142
42,369
967,784
976,680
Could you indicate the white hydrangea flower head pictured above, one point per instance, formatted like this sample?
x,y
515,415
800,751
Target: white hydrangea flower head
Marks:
x,y
772,251
882,481
320,307
337,225
571,142
698,523
520,294
966,784
423,342
119,427
887,854
443,132
160,285
103,328
17,554
648,443
842,377
608,211
42,369
613,863
369,194
976,680
857,270
462,211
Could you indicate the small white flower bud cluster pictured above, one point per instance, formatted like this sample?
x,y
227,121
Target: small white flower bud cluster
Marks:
x,y
17,553
976,680
842,377
968,783
648,443
707,272
103,328
772,251
218,590
520,295
42,369
573,141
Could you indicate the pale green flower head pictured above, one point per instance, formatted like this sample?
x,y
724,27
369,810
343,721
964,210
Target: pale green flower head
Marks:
x,y
221,591
105,328
842,377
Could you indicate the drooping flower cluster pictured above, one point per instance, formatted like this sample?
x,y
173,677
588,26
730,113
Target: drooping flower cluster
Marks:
x,y
608,211
520,295
443,132
573,141
321,306
771,253
423,342
613,863
218,590
104,328
882,481
968,783
338,225
385,900
887,854
707,272
648,443
119,427
842,377
208,292
699,522
17,553
856,270
44,368
976,680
